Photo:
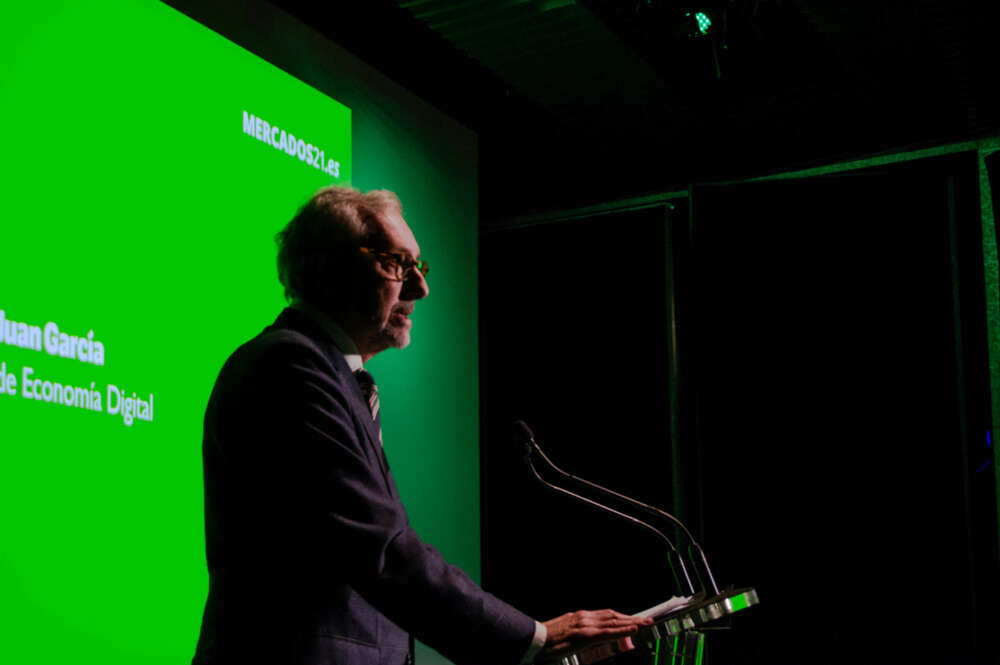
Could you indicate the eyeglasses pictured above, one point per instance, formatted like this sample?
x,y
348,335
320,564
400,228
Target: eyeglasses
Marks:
x,y
396,264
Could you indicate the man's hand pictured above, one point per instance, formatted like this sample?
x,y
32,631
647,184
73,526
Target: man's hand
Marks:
x,y
585,627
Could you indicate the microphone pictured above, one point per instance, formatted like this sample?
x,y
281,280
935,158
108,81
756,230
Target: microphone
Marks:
x,y
677,618
524,433
527,437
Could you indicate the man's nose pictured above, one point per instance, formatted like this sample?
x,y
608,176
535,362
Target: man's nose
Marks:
x,y
415,286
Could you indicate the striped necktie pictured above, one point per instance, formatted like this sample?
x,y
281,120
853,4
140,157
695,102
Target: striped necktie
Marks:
x,y
370,392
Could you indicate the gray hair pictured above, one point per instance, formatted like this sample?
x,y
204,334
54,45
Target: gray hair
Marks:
x,y
311,259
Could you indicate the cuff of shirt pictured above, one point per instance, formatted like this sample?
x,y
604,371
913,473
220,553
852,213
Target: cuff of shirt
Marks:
x,y
537,642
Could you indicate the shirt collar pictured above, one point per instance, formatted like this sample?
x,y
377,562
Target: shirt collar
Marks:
x,y
340,338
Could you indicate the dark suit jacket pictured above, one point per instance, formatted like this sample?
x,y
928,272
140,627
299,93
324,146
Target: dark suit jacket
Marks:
x,y
310,554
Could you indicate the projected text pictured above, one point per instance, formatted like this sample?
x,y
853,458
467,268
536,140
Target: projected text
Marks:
x,y
55,342
29,385
278,138
118,402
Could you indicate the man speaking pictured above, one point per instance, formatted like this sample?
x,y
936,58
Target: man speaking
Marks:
x,y
311,557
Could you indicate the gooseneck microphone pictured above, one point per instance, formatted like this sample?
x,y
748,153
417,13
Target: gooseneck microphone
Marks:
x,y
527,437
680,623
525,434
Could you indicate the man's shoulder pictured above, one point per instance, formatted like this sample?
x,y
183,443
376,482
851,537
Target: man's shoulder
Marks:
x,y
290,339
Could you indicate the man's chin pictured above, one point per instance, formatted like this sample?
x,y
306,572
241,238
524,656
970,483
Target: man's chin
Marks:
x,y
395,338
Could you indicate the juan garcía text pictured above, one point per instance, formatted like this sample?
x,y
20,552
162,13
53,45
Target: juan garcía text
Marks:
x,y
55,342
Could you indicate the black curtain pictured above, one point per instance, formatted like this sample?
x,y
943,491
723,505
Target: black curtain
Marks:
x,y
843,408
573,320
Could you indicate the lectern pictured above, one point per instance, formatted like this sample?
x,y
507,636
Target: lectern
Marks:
x,y
678,635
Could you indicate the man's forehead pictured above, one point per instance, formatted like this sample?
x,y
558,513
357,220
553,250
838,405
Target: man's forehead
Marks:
x,y
396,232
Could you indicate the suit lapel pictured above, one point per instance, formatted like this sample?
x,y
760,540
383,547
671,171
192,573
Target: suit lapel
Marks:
x,y
296,320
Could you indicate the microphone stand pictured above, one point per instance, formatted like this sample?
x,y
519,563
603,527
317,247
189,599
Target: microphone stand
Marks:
x,y
685,625
532,446
634,520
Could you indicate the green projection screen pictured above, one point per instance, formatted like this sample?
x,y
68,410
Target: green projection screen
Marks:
x,y
148,163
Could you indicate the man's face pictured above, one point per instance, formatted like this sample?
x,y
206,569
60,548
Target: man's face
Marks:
x,y
384,303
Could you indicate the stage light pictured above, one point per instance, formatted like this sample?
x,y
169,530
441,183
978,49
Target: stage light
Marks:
x,y
692,25
703,21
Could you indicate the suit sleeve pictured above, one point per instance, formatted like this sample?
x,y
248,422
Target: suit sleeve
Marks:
x,y
363,529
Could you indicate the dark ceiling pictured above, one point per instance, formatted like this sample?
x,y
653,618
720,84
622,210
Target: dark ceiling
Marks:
x,y
580,102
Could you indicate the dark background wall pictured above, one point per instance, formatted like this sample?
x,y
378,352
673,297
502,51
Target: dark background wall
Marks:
x,y
572,327
843,411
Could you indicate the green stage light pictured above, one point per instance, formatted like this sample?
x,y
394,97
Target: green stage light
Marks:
x,y
693,25
704,22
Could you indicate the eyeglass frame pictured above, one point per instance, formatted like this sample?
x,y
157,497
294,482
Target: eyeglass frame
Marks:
x,y
403,262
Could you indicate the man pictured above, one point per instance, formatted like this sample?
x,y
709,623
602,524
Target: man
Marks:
x,y
310,554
